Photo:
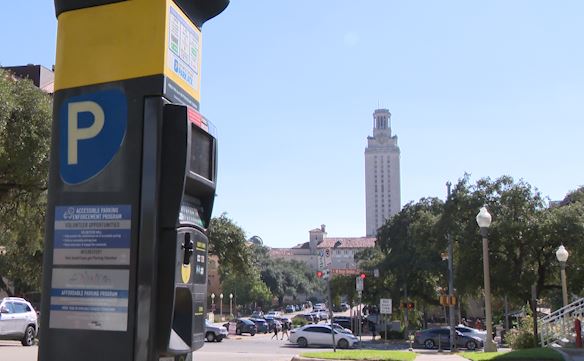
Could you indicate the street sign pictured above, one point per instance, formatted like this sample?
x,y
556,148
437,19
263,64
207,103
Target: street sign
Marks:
x,y
321,265
385,306
359,284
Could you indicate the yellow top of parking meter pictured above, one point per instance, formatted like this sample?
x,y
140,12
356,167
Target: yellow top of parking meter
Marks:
x,y
126,40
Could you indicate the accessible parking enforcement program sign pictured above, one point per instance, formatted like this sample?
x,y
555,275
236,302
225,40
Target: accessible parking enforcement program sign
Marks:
x,y
92,235
89,299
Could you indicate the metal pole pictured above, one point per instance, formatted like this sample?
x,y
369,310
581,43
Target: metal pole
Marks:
x,y
564,283
489,344
330,300
406,310
450,286
360,319
506,314
534,310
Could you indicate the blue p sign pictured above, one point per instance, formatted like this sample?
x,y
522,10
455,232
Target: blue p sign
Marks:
x,y
92,128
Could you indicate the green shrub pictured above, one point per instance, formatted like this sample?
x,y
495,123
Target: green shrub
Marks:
x,y
298,322
522,337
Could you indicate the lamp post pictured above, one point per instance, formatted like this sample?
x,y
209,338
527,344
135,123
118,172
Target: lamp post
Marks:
x,y
450,285
221,304
213,302
562,255
231,305
484,222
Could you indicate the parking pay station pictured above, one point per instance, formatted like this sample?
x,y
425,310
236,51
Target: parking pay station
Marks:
x,y
131,184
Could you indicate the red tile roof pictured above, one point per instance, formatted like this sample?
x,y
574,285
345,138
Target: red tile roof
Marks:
x,y
347,242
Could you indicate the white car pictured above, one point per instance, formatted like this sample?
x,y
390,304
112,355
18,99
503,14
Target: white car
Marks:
x,y
215,333
18,320
319,307
273,314
321,335
473,332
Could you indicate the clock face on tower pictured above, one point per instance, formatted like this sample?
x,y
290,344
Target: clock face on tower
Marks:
x,y
382,138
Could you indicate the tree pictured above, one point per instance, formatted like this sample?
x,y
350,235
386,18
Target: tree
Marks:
x,y
227,241
285,277
248,289
25,133
412,249
523,237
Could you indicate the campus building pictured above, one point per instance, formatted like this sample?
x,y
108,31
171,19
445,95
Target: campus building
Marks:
x,y
342,250
40,76
382,179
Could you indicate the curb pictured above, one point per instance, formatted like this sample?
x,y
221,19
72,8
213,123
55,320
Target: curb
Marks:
x,y
300,358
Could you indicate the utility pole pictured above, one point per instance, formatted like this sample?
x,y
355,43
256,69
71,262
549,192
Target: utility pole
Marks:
x,y
450,285
330,300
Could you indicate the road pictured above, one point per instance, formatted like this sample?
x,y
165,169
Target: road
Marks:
x,y
236,348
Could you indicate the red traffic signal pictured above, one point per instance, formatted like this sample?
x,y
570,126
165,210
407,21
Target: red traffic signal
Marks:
x,y
362,276
411,305
319,274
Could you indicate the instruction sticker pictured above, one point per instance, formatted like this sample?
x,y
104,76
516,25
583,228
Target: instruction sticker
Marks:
x,y
183,49
92,235
89,299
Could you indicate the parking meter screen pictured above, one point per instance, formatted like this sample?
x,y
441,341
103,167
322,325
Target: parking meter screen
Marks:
x,y
201,153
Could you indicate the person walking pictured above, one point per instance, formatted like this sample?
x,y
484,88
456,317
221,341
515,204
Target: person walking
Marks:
x,y
285,328
275,331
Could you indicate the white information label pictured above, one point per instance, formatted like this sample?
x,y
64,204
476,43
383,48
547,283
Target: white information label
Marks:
x,y
89,299
385,306
359,283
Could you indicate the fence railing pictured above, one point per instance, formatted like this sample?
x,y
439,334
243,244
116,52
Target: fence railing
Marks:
x,y
559,325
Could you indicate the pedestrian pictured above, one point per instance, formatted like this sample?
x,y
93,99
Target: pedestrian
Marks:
x,y
275,331
285,328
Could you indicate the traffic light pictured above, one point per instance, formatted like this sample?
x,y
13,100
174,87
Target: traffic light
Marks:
x,y
362,275
411,306
319,274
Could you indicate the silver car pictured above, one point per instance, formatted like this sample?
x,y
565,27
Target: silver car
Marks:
x,y
215,333
321,335
18,320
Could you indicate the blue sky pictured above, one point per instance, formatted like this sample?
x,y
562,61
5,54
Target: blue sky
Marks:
x,y
489,88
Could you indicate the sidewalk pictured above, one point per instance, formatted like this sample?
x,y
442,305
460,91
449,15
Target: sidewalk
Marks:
x,y
435,356
429,356
572,354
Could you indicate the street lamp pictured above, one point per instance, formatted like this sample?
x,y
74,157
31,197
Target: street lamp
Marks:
x,y
231,305
213,302
562,255
484,222
221,305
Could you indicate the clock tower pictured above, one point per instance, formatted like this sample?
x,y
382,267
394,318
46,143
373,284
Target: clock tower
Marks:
x,y
382,179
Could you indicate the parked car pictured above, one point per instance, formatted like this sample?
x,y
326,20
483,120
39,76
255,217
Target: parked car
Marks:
x,y
18,320
215,333
321,335
349,322
261,325
257,314
290,308
318,307
345,307
243,326
469,331
273,314
434,337
272,322
322,314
